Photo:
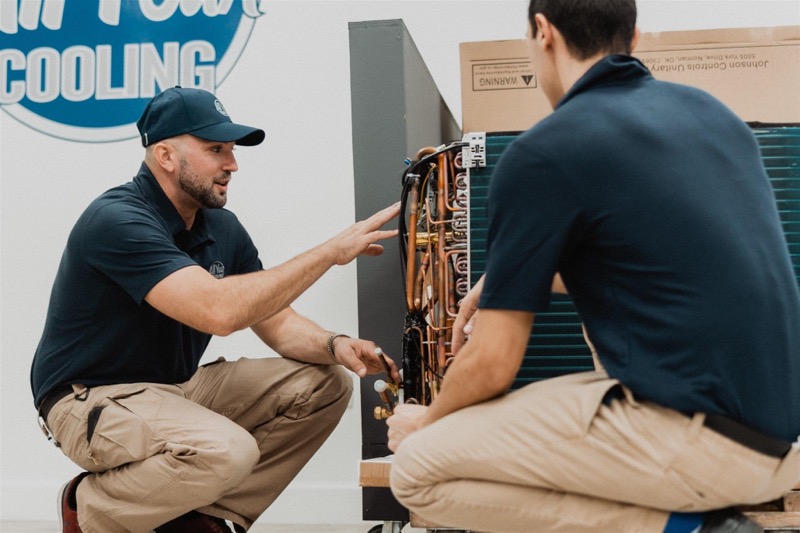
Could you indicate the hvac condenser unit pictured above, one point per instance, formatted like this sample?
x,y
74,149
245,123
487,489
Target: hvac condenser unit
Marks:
x,y
443,248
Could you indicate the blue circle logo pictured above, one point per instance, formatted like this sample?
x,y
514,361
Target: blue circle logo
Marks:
x,y
84,70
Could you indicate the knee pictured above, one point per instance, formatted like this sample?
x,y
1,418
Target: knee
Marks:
x,y
339,384
331,389
230,459
405,478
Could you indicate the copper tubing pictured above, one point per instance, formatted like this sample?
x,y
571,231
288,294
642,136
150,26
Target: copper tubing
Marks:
x,y
434,390
452,310
392,384
388,403
413,199
433,367
425,261
420,282
460,280
447,175
437,263
458,160
432,171
453,178
413,303
428,150
427,376
441,259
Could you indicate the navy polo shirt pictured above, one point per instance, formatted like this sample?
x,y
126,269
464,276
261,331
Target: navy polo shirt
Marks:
x,y
651,200
99,330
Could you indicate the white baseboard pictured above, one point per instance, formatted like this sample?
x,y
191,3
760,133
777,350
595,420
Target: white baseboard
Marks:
x,y
315,504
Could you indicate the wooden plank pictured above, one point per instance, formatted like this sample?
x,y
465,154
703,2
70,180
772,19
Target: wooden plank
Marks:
x,y
375,472
775,519
791,501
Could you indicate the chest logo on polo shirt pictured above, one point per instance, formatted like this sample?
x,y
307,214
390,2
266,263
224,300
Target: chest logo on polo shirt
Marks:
x,y
217,269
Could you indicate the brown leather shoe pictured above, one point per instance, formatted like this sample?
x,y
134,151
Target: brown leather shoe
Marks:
x,y
194,522
68,505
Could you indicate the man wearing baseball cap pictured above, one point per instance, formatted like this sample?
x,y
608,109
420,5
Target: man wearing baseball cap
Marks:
x,y
151,270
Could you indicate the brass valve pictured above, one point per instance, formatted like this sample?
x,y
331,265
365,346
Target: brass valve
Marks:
x,y
424,238
381,413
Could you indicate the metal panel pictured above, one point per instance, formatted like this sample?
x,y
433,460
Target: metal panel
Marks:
x,y
396,109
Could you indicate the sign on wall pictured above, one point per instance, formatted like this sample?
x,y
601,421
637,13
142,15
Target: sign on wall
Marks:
x,y
83,70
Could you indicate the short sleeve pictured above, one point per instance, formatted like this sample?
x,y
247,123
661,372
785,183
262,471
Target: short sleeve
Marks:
x,y
247,253
532,215
130,245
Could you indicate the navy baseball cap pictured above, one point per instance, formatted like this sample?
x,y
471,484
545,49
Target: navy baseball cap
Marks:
x,y
179,110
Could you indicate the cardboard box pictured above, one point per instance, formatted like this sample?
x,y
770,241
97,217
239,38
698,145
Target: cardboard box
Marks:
x,y
755,71
499,88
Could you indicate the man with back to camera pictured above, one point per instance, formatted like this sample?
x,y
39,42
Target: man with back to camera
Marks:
x,y
152,269
651,202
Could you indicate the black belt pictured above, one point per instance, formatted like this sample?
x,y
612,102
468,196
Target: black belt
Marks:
x,y
747,436
53,398
735,431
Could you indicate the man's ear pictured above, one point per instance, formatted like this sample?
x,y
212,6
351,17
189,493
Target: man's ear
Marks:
x,y
544,30
165,156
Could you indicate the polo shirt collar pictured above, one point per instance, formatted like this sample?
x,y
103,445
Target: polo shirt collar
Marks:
x,y
156,196
611,70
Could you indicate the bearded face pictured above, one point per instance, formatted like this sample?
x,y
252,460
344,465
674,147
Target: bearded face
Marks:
x,y
210,193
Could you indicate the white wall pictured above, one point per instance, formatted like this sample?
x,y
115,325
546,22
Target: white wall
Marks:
x,y
291,192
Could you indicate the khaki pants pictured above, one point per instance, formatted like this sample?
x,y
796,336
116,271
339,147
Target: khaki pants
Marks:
x,y
553,457
226,442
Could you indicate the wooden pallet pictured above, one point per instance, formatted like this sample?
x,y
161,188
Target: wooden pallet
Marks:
x,y
375,472
781,514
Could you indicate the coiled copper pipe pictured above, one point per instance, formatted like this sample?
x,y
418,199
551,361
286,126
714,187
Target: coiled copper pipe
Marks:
x,y
413,200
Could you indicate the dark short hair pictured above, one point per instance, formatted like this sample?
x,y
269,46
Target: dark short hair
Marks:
x,y
589,26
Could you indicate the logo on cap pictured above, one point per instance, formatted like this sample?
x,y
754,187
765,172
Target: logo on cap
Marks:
x,y
220,107
84,71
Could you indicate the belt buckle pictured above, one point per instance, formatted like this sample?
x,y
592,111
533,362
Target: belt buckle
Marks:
x,y
46,431
81,394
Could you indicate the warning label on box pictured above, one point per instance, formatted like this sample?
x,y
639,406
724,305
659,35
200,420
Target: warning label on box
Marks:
x,y
503,75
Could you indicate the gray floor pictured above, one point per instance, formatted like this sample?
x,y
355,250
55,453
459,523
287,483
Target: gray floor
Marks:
x,y
52,527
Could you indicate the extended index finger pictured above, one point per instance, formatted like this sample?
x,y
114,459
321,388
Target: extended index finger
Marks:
x,y
383,216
